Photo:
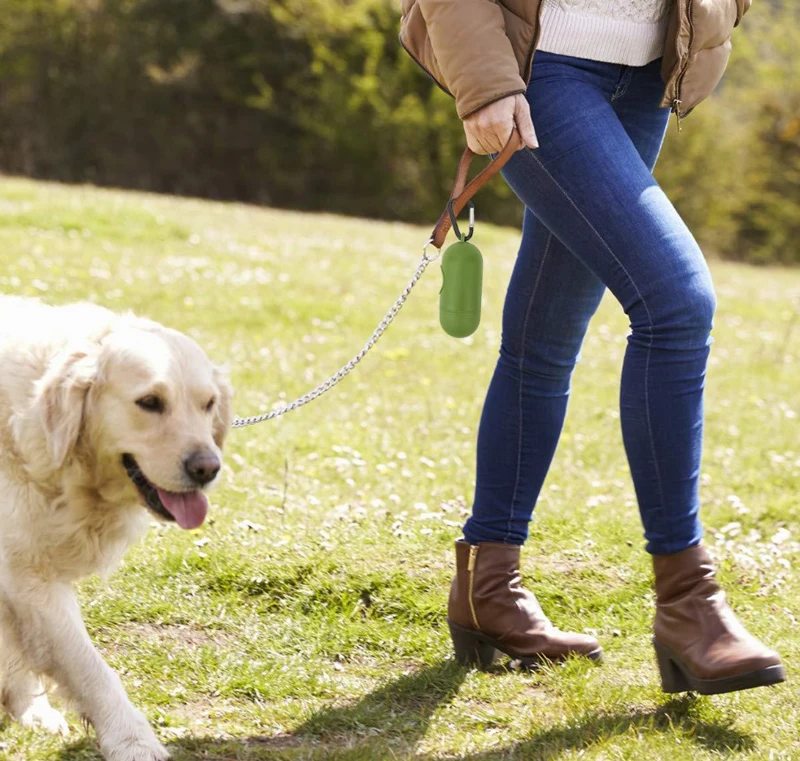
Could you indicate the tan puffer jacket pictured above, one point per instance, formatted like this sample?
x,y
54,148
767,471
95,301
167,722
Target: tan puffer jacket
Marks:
x,y
482,50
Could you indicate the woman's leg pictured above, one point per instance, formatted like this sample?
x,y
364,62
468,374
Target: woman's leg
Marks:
x,y
551,297
550,301
590,185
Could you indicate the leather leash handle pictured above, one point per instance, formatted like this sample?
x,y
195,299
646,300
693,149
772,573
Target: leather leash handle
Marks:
x,y
462,192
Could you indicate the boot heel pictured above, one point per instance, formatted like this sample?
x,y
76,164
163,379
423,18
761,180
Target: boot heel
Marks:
x,y
470,648
672,677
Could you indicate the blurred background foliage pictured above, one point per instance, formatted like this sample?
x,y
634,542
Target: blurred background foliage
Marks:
x,y
313,104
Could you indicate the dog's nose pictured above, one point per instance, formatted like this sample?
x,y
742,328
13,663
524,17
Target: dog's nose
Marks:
x,y
202,467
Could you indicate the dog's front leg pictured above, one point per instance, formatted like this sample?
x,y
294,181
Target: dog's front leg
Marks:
x,y
23,695
57,643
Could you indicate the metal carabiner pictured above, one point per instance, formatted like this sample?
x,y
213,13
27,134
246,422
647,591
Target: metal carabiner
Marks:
x,y
454,221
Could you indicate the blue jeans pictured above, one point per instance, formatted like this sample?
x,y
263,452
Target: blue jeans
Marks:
x,y
596,218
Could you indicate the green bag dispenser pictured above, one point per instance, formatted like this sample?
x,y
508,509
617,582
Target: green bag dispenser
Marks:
x,y
462,284
460,295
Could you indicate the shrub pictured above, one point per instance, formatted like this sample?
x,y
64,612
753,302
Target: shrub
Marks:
x,y
313,104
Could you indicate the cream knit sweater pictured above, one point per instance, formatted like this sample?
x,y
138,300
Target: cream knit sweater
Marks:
x,y
630,32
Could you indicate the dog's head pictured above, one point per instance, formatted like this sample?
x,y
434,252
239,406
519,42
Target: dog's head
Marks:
x,y
145,406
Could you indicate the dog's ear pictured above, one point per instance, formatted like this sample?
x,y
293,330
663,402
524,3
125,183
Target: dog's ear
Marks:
x,y
60,402
223,412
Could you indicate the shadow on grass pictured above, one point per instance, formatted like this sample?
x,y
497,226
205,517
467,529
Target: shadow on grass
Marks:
x,y
384,724
389,723
402,708
676,715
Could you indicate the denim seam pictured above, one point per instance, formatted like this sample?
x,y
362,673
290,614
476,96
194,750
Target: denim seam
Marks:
x,y
649,319
521,362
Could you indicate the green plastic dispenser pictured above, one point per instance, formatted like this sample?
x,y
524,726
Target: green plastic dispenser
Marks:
x,y
460,295
462,281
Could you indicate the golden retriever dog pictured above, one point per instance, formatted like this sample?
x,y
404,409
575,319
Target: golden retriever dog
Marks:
x,y
105,422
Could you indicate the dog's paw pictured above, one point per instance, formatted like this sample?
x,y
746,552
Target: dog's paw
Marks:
x,y
40,714
134,741
137,750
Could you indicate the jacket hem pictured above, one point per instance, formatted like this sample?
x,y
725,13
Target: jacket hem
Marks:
x,y
489,102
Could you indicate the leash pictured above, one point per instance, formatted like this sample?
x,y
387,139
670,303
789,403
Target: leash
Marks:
x,y
459,199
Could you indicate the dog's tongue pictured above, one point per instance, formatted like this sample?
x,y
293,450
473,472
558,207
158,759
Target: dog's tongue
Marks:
x,y
189,509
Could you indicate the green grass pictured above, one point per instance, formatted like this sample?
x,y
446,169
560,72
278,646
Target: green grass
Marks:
x,y
305,620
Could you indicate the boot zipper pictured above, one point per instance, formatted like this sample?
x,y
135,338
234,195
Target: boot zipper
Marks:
x,y
473,557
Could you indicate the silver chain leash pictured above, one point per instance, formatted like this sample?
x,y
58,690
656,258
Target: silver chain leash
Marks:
x,y
345,371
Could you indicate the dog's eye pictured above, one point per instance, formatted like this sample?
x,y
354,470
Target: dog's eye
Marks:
x,y
151,403
210,405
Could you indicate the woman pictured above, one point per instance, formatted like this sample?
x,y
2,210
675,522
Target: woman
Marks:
x,y
604,78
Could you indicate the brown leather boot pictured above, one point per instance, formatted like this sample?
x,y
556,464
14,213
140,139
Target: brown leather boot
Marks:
x,y
700,644
489,611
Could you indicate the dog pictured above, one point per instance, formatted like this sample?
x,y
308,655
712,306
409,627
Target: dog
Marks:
x,y
106,421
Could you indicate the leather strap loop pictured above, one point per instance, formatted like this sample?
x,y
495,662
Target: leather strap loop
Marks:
x,y
462,192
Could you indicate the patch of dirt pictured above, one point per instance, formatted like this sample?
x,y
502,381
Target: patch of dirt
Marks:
x,y
195,712
233,748
275,741
558,564
185,634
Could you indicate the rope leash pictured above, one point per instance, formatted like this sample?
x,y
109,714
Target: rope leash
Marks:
x,y
460,197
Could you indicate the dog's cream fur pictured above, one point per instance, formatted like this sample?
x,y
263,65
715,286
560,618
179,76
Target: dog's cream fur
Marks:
x,y
69,381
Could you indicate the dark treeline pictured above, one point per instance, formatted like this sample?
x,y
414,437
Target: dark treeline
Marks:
x,y
312,104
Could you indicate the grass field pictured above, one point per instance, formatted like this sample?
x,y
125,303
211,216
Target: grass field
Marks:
x,y
306,619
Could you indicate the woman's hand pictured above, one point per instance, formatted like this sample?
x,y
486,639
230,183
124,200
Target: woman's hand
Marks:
x,y
488,130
